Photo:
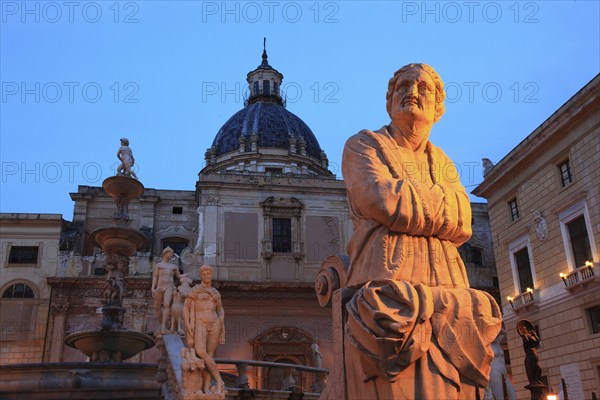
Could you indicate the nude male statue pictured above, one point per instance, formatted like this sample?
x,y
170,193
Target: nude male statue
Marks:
x,y
163,287
125,155
204,320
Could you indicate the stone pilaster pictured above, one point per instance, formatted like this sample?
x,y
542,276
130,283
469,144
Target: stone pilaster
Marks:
x,y
57,332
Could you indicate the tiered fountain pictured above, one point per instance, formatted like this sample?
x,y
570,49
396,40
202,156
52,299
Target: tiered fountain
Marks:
x,y
113,343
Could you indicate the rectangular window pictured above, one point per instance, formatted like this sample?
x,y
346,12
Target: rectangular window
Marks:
x,y
523,269
580,243
565,173
266,87
593,314
273,170
471,255
23,255
514,209
477,256
177,210
577,234
282,235
506,356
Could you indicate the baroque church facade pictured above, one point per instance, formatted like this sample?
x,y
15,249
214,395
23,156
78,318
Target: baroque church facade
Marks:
x,y
266,212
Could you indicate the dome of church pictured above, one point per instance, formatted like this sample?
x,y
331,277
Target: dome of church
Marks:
x,y
264,137
273,125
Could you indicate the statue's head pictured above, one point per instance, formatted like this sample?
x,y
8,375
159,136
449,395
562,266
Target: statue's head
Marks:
x,y
168,252
398,88
124,142
206,273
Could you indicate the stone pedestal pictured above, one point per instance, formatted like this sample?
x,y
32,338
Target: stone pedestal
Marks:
x,y
538,391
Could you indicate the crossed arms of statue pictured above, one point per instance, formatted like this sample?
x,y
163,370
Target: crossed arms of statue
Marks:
x,y
384,185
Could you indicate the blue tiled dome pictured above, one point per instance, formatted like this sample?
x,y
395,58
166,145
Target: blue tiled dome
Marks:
x,y
272,123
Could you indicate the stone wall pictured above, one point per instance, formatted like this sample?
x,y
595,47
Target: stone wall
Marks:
x,y
23,320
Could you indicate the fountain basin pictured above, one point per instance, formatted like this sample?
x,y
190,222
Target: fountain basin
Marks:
x,y
119,239
94,343
121,185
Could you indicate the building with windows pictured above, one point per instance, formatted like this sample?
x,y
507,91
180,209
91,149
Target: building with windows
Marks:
x,y
544,207
29,247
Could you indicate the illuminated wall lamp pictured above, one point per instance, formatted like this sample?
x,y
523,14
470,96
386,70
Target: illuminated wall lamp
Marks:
x,y
589,264
564,278
510,300
551,396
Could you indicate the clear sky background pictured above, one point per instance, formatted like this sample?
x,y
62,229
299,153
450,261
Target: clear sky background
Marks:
x,y
77,76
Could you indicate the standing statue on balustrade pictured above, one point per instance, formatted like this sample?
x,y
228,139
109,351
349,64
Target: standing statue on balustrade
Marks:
x,y
163,287
204,320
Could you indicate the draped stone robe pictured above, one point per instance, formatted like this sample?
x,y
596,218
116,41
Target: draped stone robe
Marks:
x,y
406,267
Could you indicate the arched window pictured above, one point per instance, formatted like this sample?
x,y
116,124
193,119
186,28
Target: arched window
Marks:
x,y
18,291
178,244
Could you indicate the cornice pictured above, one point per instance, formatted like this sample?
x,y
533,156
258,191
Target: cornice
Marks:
x,y
226,286
584,103
96,283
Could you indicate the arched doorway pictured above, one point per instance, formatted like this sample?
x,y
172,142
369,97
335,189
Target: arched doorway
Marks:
x,y
287,345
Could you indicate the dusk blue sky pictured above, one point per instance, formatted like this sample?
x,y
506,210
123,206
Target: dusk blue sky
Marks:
x,y
171,74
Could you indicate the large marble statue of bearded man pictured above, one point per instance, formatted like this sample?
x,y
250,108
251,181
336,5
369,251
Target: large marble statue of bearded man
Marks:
x,y
415,329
